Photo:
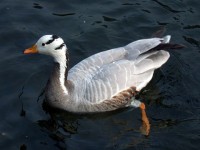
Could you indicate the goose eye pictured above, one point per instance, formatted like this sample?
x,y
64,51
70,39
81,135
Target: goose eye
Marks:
x,y
43,44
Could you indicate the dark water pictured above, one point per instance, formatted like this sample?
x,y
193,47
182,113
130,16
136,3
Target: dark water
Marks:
x,y
88,27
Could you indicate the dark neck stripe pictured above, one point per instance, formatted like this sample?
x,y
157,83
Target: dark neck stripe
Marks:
x,y
60,47
53,38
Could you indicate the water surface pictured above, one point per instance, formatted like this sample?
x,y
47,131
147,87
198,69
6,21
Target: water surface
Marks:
x,y
88,27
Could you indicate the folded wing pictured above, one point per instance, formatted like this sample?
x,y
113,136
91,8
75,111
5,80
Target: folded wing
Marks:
x,y
103,75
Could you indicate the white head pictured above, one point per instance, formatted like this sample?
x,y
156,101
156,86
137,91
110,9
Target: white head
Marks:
x,y
50,45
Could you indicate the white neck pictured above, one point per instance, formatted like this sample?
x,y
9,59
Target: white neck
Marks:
x,y
62,78
61,59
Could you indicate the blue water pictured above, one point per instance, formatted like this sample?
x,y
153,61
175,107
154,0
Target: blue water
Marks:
x,y
88,27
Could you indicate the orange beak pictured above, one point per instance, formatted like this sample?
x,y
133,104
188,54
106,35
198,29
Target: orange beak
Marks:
x,y
31,50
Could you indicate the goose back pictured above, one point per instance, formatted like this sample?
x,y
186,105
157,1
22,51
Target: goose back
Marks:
x,y
103,75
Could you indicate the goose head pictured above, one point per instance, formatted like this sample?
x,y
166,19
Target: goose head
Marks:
x,y
52,45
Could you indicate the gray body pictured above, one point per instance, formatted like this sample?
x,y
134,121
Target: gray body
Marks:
x,y
107,80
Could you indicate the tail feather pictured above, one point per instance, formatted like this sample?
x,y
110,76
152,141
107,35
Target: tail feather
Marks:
x,y
166,39
166,46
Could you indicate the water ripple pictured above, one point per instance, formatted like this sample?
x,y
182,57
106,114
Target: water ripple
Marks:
x,y
129,4
63,14
109,19
145,10
167,7
192,41
37,6
191,26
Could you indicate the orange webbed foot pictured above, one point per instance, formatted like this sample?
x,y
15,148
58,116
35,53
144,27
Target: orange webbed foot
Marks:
x,y
145,128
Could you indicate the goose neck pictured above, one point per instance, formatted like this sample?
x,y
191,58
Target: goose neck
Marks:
x,y
60,73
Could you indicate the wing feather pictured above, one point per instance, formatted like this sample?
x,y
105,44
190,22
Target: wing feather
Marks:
x,y
103,75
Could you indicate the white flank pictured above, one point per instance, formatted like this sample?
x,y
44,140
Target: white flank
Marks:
x,y
135,103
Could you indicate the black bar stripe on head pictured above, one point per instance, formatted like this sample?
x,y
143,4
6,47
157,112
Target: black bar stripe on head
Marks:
x,y
53,38
60,47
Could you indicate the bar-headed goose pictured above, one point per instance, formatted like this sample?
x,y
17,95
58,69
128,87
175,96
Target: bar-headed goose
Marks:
x,y
105,81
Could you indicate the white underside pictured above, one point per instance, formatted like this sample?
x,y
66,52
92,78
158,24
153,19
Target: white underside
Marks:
x,y
135,103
